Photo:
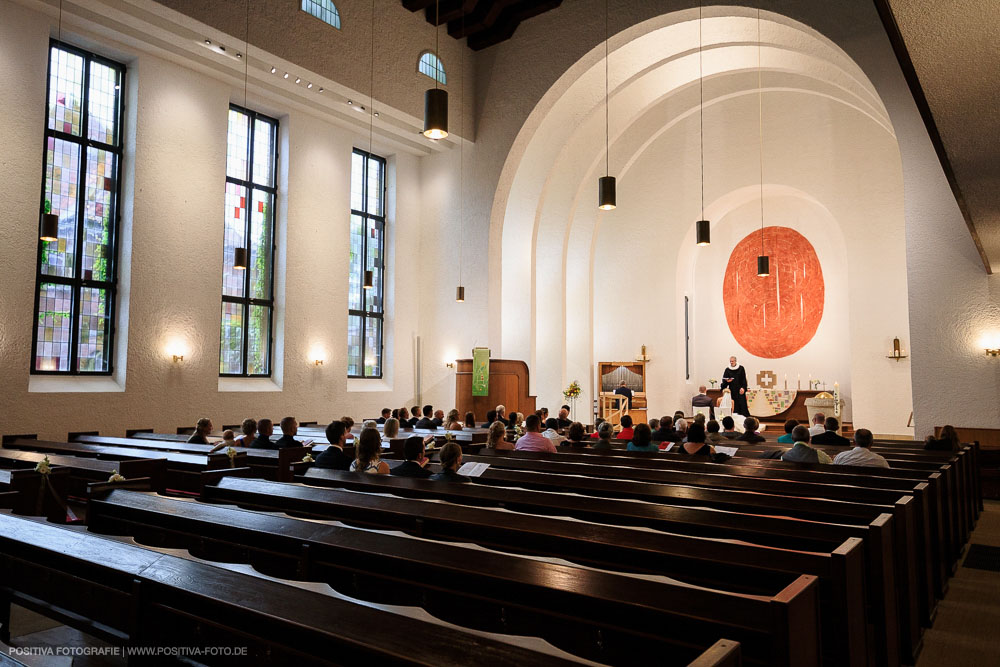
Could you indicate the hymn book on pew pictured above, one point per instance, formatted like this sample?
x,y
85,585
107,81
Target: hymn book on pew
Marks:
x,y
473,469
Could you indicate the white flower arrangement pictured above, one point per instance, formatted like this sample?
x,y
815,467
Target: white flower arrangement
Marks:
x,y
308,458
44,467
115,477
231,453
712,381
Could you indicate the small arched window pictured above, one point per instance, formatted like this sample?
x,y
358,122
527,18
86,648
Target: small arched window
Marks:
x,y
324,10
430,65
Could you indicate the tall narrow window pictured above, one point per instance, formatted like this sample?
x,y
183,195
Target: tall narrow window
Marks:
x,y
364,321
76,281
248,290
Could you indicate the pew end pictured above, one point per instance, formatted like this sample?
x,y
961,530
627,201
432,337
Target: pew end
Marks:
x,y
102,489
132,432
9,440
73,435
723,653
212,477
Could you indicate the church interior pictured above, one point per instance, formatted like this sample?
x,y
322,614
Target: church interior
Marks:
x,y
488,332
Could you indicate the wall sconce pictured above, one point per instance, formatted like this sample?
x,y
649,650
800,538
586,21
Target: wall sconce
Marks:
x,y
318,362
897,352
450,364
993,352
178,357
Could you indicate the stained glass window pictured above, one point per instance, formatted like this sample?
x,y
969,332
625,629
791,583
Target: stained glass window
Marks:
x,y
76,287
248,215
364,321
430,65
324,10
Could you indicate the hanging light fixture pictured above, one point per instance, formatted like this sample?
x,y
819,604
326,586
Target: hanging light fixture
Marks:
x,y
703,233
763,261
50,221
240,253
369,282
460,290
435,99
607,196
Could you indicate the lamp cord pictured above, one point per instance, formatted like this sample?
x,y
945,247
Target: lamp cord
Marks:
x,y
701,130
607,104
760,130
461,155
246,55
437,41
60,19
371,88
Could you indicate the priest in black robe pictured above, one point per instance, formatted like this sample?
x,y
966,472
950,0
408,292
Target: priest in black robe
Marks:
x,y
734,378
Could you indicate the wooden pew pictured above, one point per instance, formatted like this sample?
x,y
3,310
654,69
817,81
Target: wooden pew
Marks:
x,y
84,471
29,493
597,615
126,594
185,472
763,543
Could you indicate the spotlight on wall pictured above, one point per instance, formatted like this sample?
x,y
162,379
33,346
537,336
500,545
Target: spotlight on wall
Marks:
x,y
309,85
318,362
240,259
286,75
450,364
178,357
273,70
298,79
321,90
993,352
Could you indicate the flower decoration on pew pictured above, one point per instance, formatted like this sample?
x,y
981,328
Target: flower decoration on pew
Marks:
x,y
115,477
44,466
308,458
573,390
231,453
448,437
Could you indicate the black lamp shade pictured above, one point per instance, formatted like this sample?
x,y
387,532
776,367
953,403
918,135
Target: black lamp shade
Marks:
x,y
436,113
703,235
460,294
606,193
50,227
240,259
763,265
369,280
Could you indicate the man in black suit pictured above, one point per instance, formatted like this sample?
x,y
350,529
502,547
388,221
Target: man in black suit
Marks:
x,y
289,427
830,436
623,390
562,421
438,418
413,466
265,427
703,400
334,457
386,413
426,422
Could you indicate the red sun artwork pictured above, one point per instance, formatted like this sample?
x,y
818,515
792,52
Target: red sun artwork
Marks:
x,y
774,316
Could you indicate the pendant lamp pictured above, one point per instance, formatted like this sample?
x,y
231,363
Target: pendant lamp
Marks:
x,y
607,196
240,259
460,294
435,99
369,279
763,261
460,290
50,221
703,232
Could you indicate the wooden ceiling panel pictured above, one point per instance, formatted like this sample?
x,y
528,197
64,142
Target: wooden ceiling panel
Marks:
x,y
484,22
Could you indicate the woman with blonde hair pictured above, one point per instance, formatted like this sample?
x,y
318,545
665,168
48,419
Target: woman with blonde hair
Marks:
x,y
496,438
391,429
451,422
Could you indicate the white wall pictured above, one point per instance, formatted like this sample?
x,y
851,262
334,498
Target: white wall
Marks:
x,y
172,218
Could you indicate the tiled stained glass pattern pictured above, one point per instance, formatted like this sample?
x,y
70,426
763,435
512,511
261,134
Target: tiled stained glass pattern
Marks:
x,y
367,231
55,320
251,156
65,91
76,291
324,10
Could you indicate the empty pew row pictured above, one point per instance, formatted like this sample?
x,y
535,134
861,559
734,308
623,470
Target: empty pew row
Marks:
x,y
138,597
551,525
603,616
86,471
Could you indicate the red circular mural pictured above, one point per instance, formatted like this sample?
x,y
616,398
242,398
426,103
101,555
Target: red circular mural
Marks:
x,y
776,315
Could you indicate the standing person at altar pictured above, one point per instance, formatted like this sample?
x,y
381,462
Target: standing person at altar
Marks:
x,y
734,378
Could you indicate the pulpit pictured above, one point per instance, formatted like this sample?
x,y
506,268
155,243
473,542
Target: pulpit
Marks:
x,y
611,375
823,402
508,386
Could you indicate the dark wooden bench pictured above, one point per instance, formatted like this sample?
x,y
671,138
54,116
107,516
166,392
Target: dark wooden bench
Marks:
x,y
126,594
600,536
84,471
29,493
596,615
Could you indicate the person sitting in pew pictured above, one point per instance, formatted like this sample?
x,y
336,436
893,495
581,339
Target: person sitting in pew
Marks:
x,y
470,419
787,438
575,435
369,450
642,438
369,423
695,444
439,418
533,440
386,413
627,431
543,417
228,438
830,435
512,425
265,427
451,461
391,429
404,418
202,430
501,415
654,424
348,422
452,423
597,427
289,428
491,416
248,430
666,432
414,416
497,437
712,434
427,422
605,431
414,459
818,425
948,442
562,421
750,431
333,457
861,454
681,428
729,428
801,452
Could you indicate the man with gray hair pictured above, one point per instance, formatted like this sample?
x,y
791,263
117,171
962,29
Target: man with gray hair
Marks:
x,y
819,424
801,452
861,454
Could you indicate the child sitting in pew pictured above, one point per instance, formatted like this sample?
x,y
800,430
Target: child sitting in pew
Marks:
x,y
369,451
451,461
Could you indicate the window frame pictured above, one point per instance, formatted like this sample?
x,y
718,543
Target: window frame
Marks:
x,y
333,7
77,283
439,67
247,301
364,312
